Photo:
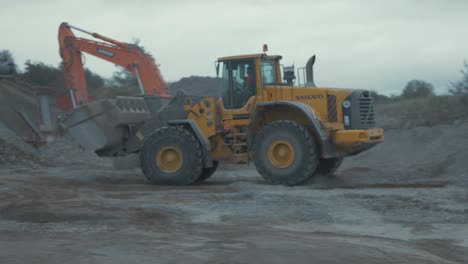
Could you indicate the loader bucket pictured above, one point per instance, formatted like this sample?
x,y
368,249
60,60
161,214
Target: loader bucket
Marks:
x,y
105,124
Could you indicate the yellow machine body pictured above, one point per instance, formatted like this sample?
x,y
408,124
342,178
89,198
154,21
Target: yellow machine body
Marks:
x,y
272,102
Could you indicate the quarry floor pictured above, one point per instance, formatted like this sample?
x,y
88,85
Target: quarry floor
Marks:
x,y
404,201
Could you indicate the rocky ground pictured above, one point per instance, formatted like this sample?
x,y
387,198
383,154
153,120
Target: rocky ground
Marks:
x,y
404,201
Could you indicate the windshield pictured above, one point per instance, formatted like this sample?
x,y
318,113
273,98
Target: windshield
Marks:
x,y
268,72
238,83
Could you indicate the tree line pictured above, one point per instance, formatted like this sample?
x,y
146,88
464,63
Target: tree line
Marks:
x,y
40,74
421,89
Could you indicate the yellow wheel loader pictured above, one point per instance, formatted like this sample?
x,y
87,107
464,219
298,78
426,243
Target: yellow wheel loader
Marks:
x,y
290,132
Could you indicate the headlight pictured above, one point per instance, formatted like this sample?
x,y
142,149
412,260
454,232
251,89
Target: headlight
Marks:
x,y
346,103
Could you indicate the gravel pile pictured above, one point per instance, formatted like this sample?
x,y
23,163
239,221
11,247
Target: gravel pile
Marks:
x,y
66,151
14,152
196,85
11,156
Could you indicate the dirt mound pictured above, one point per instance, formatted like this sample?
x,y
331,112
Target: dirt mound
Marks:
x,y
197,85
12,156
430,111
14,152
65,151
17,96
418,154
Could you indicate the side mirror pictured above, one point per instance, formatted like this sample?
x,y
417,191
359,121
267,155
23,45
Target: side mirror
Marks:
x,y
288,74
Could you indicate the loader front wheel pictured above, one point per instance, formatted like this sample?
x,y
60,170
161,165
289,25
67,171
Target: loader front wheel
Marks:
x,y
285,153
171,156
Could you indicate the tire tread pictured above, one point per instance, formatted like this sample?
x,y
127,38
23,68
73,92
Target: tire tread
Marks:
x,y
158,136
309,168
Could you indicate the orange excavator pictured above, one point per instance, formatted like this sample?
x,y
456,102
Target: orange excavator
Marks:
x,y
131,57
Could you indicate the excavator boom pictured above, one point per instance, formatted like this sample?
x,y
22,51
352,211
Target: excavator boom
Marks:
x,y
130,57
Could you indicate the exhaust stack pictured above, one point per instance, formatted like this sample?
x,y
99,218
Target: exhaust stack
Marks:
x,y
310,72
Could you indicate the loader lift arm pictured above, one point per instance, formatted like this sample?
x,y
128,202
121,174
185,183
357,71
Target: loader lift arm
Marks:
x,y
130,57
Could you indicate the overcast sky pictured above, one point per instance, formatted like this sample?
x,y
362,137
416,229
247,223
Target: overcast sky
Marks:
x,y
371,44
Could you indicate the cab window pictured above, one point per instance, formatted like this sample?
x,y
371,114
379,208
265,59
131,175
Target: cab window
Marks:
x,y
268,72
238,83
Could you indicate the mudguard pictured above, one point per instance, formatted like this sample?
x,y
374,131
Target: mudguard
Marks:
x,y
327,147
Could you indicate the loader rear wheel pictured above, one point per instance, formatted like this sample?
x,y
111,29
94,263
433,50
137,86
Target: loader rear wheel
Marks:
x,y
285,153
208,172
171,156
329,166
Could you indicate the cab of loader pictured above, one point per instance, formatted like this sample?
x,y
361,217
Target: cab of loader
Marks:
x,y
245,76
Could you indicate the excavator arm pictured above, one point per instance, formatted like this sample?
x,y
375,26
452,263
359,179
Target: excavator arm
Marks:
x,y
130,57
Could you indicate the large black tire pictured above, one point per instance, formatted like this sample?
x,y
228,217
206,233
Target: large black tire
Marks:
x,y
171,156
329,166
293,171
208,172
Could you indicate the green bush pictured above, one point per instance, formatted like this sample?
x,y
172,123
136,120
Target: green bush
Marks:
x,y
40,74
461,87
417,89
